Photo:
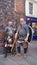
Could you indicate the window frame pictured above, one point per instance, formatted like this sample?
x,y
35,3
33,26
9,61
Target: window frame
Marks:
x,y
30,8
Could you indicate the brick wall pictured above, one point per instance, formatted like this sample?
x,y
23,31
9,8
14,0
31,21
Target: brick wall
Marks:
x,y
6,11
20,7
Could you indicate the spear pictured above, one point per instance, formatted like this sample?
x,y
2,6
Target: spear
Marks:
x,y
15,38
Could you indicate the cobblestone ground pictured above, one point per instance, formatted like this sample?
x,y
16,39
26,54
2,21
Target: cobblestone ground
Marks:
x,y
15,60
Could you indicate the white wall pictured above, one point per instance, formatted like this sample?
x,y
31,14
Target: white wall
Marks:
x,y
34,8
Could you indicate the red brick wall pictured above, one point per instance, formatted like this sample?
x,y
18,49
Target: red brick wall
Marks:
x,y
20,7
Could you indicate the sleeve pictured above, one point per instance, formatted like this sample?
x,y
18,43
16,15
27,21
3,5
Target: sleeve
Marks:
x,y
27,29
6,29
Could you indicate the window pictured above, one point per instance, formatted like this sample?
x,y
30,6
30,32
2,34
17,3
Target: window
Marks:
x,y
34,25
30,8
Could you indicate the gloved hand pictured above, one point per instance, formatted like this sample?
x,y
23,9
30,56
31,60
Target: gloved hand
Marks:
x,y
26,39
